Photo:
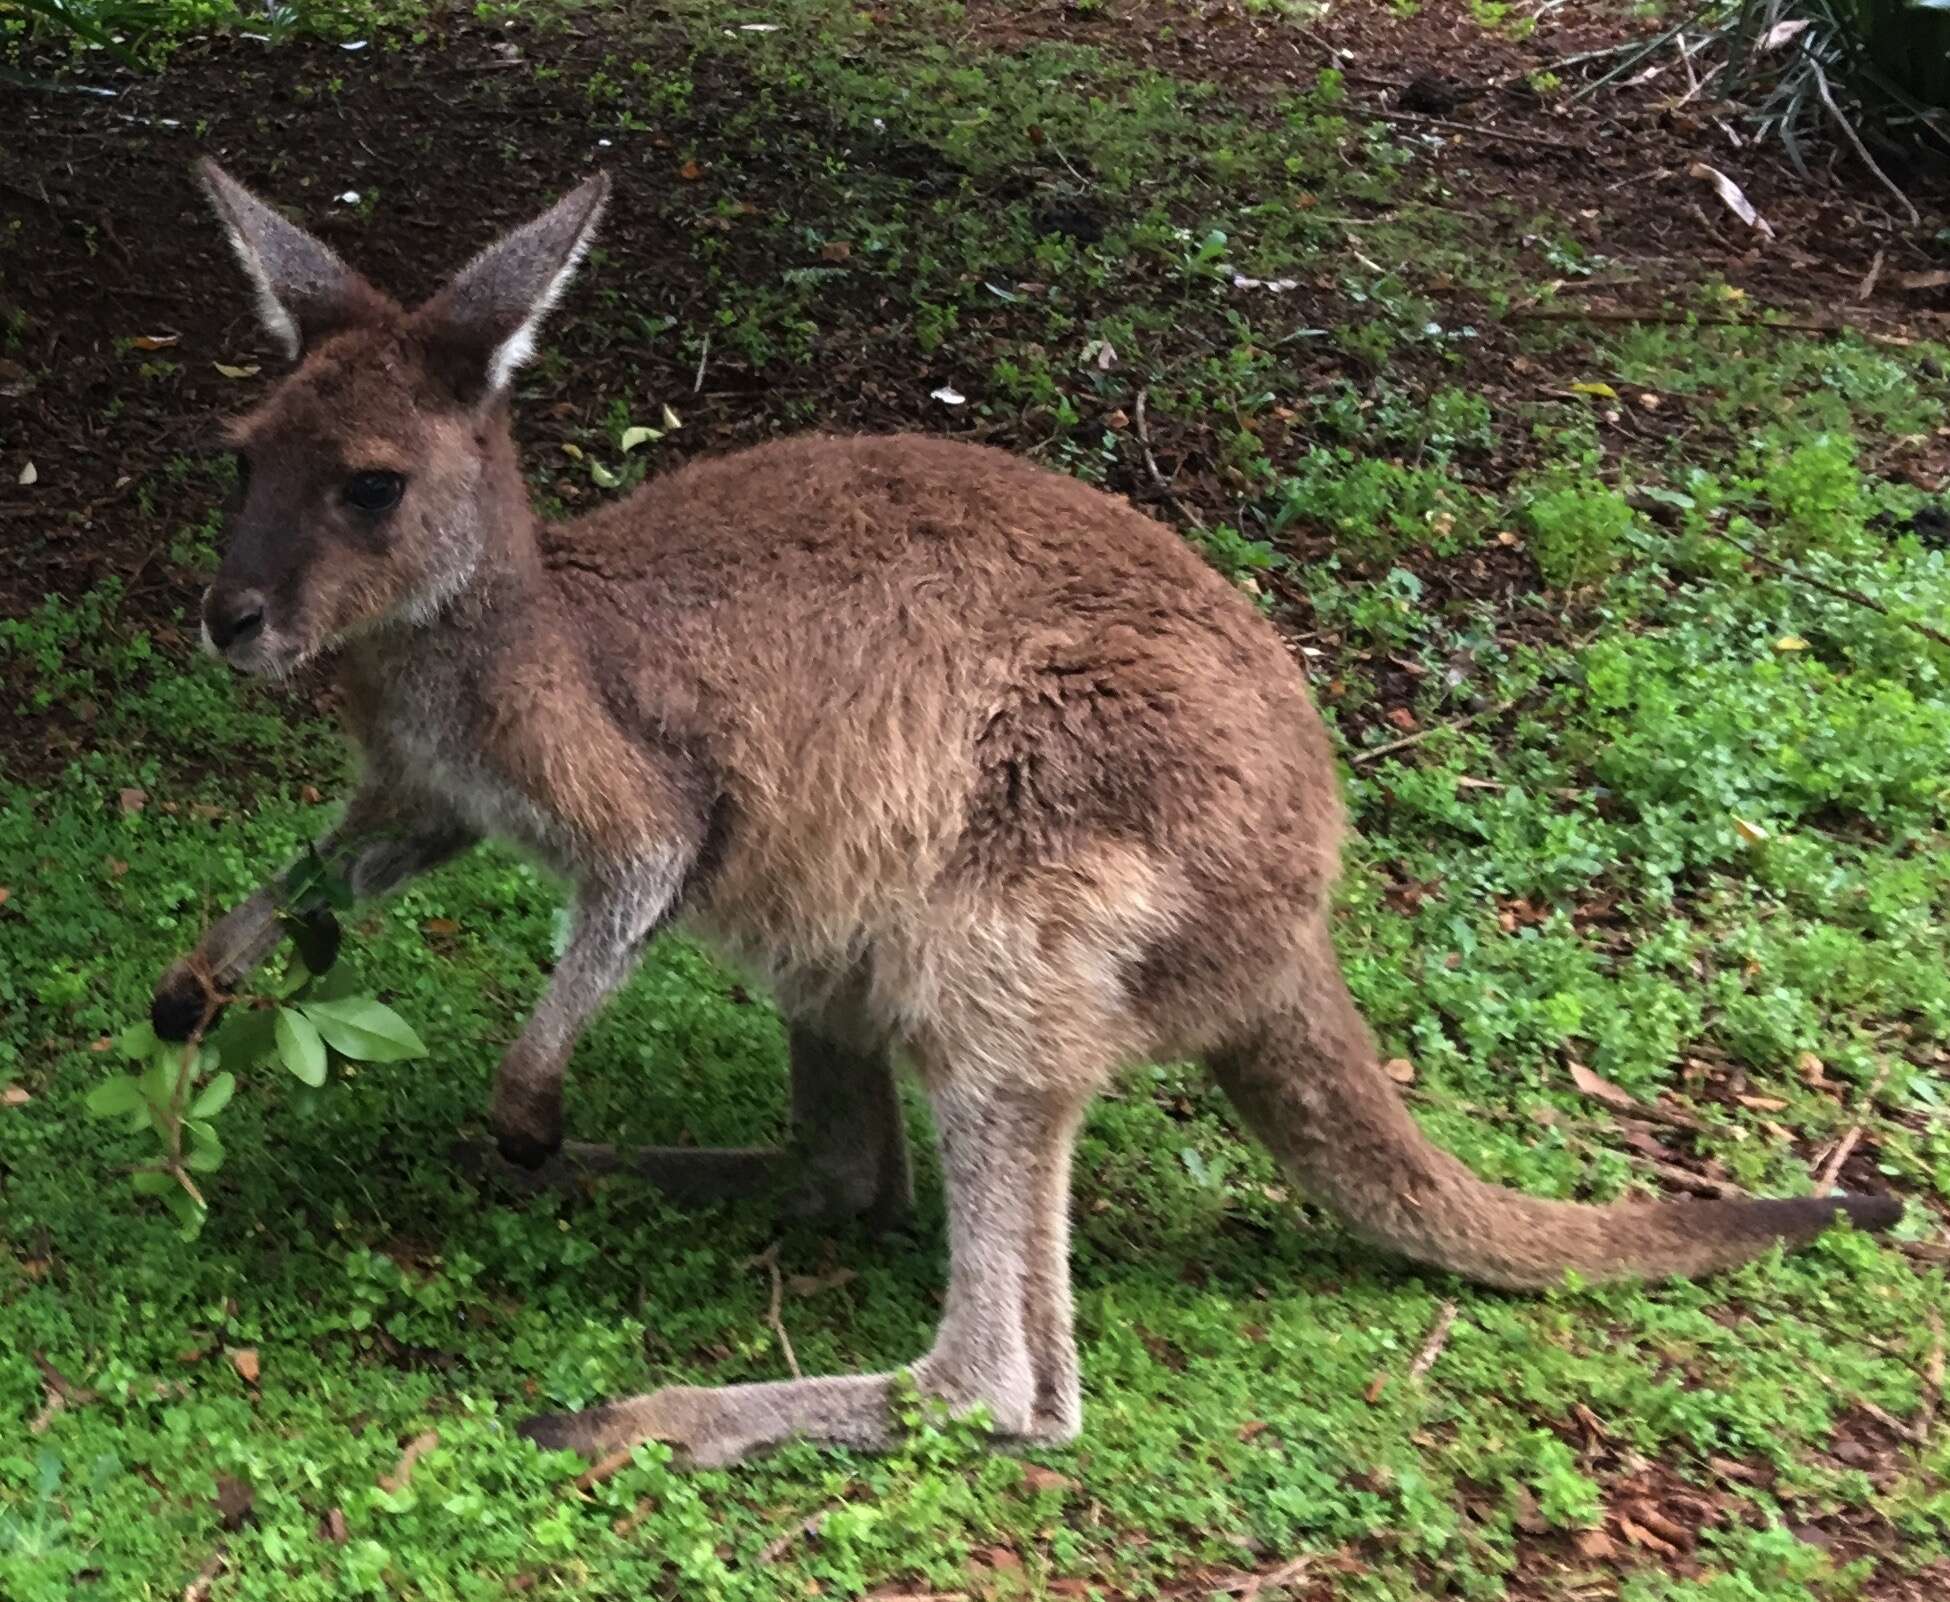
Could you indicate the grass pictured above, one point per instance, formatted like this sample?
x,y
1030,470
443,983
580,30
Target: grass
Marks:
x,y
1676,815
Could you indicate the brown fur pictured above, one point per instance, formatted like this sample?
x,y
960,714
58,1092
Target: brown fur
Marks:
x,y
974,763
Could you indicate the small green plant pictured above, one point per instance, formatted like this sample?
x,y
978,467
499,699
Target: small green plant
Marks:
x,y
309,1017
1578,533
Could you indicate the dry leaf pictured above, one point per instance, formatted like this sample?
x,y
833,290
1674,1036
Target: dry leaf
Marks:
x,y
835,250
1752,833
1935,278
1781,32
671,420
1812,1070
690,172
235,372
333,1528
5,894
573,452
153,341
244,1360
1639,1535
1762,1103
633,437
1790,642
1375,1387
1593,1544
14,1096
1037,1478
1598,1088
1399,1069
132,801
1730,192
30,474
440,926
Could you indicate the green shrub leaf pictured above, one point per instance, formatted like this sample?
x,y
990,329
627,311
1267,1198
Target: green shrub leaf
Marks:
x,y
121,1094
365,1030
299,1046
214,1097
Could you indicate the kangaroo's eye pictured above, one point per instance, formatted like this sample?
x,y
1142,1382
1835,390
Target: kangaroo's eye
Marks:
x,y
374,492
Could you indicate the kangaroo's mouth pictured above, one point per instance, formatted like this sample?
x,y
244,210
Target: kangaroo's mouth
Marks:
x,y
265,653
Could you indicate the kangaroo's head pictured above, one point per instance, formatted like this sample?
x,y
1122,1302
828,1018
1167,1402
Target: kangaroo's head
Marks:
x,y
369,488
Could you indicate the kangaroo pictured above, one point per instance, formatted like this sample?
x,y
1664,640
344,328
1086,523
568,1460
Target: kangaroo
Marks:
x,y
979,767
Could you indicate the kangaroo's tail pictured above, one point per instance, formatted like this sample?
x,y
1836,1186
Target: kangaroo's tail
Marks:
x,y
1309,1085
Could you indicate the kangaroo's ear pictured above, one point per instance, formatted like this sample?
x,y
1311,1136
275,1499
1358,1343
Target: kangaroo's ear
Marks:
x,y
304,291
481,327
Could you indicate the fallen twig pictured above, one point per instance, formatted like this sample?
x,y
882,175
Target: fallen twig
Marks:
x,y
1855,140
769,1261
703,356
1374,752
1678,319
1932,1377
1868,285
779,1544
62,1392
1825,1180
1536,141
1924,1251
1445,1320
206,1577
1686,1179
416,1449
1840,592
1881,1415
1163,484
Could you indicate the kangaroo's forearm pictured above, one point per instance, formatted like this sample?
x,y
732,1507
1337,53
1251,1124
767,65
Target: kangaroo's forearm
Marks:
x,y
374,852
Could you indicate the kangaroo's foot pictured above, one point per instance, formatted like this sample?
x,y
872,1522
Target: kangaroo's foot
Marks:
x,y
800,1185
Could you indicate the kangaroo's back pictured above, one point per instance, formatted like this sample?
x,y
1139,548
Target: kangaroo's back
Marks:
x,y
913,663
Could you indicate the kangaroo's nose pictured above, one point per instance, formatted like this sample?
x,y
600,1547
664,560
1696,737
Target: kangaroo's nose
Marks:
x,y
232,616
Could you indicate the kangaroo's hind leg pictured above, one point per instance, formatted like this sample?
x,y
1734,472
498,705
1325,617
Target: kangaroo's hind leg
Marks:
x,y
1005,1342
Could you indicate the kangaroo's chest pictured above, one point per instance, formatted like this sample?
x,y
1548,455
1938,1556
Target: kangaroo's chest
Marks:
x,y
434,733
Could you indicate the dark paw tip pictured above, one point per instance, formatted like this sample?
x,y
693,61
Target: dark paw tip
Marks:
x,y
552,1432
1873,1212
177,1008
525,1151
